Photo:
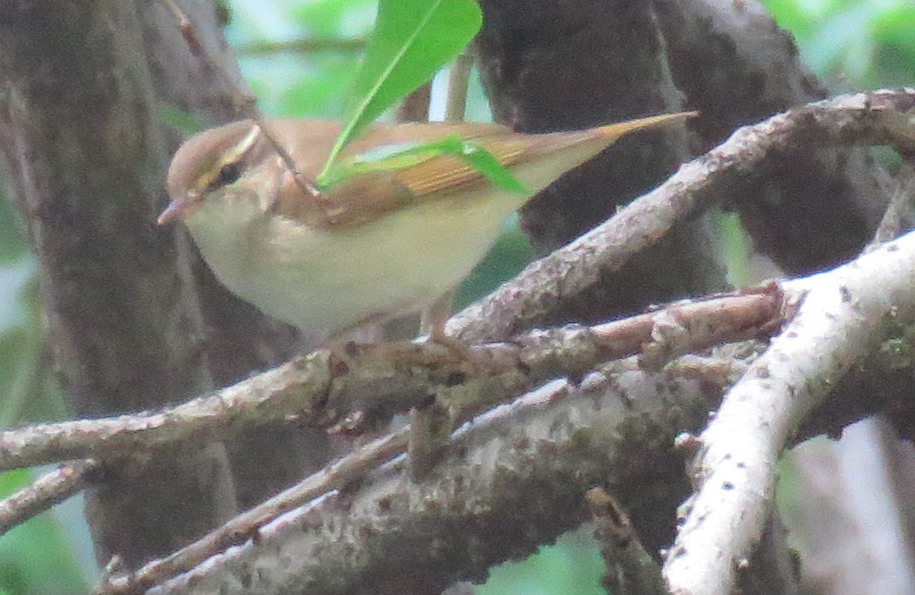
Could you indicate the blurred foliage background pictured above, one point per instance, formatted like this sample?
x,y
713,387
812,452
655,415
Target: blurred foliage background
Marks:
x,y
299,57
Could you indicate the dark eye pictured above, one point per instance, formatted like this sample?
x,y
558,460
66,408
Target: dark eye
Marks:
x,y
228,173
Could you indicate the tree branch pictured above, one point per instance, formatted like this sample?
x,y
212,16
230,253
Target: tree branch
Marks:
x,y
321,389
47,491
509,480
247,525
880,117
837,325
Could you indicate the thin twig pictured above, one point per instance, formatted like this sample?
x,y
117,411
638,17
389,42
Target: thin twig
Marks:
x,y
458,83
245,101
47,491
900,213
279,393
246,526
630,569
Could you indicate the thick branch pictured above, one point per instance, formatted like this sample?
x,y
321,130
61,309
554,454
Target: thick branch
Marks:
x,y
320,389
866,118
487,501
837,325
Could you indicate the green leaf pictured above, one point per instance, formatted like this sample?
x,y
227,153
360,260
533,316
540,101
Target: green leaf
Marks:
x,y
404,155
411,41
36,557
486,163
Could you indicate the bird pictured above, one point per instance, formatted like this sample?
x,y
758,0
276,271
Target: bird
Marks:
x,y
374,246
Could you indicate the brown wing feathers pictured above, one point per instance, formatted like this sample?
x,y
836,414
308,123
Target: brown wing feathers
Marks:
x,y
447,171
368,196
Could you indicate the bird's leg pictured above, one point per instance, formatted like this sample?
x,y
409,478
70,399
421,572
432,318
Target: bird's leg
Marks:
x,y
431,424
432,323
434,316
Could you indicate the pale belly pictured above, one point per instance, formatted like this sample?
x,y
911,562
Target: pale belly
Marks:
x,y
326,282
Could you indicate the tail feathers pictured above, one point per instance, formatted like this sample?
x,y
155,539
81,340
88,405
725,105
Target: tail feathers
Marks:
x,y
614,131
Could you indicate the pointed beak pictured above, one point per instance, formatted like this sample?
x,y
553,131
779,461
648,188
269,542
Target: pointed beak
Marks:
x,y
175,209
172,211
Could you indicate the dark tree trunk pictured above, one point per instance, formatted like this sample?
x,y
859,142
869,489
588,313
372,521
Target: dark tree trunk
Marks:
x,y
568,65
135,320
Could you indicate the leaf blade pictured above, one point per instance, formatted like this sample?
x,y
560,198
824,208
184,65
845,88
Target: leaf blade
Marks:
x,y
411,41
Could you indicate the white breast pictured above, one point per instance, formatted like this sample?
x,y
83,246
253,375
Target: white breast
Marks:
x,y
325,281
